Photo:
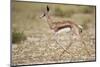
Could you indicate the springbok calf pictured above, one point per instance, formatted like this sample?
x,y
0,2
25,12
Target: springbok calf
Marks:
x,y
60,26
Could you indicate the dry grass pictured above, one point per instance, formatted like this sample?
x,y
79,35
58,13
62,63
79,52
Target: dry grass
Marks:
x,y
40,46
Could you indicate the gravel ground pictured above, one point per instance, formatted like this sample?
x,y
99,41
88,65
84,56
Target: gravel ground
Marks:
x,y
41,46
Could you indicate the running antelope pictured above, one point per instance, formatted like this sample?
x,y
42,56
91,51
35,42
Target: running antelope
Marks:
x,y
60,26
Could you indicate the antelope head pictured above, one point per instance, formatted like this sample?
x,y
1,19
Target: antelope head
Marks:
x,y
45,13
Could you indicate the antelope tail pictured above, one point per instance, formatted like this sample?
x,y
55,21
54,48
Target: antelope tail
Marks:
x,y
80,28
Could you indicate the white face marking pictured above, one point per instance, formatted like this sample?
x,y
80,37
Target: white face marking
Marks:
x,y
64,30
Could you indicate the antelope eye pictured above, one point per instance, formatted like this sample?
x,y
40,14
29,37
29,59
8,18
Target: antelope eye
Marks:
x,y
44,15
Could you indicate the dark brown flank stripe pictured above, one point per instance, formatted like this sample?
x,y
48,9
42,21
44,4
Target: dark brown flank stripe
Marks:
x,y
59,28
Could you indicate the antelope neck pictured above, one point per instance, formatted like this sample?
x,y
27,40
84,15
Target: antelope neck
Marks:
x,y
49,20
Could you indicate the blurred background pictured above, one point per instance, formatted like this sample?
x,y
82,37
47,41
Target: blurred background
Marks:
x,y
32,41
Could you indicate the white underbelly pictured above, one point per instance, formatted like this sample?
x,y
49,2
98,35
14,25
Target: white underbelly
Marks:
x,y
64,30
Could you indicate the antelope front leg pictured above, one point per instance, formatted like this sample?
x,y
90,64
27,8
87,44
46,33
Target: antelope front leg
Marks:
x,y
56,37
64,49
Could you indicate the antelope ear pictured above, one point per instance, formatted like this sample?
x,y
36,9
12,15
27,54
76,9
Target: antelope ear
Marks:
x,y
48,8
